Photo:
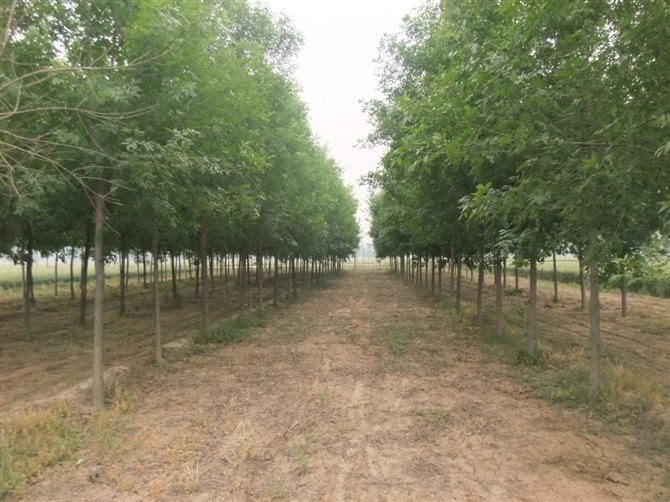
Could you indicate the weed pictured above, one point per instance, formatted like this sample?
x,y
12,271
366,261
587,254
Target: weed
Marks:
x,y
396,340
123,400
190,475
323,396
535,358
32,441
245,440
513,292
300,458
228,332
433,418
275,490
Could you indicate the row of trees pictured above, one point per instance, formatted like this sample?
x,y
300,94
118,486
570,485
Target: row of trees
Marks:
x,y
168,126
525,129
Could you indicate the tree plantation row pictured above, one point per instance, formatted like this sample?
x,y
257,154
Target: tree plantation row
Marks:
x,y
167,127
517,133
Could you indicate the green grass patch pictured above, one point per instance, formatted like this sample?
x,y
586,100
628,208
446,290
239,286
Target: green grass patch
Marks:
x,y
398,341
228,332
624,401
33,441
433,418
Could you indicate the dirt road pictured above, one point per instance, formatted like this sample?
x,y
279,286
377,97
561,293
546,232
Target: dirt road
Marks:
x,y
362,391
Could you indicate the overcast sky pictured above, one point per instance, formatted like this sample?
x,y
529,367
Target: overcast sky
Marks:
x,y
336,70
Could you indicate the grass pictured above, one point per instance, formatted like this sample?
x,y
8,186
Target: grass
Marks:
x,y
37,439
229,331
323,396
433,418
34,440
397,340
275,490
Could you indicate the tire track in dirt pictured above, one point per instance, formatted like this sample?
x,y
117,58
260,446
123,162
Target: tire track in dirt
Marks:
x,y
317,406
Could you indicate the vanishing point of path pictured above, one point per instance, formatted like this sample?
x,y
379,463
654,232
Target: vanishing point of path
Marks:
x,y
361,391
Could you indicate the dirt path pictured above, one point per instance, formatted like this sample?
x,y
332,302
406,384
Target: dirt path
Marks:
x,y
360,392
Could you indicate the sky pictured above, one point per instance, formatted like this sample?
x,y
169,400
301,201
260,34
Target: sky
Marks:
x,y
336,70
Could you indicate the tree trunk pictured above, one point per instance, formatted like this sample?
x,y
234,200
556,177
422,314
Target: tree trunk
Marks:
x,y
83,280
197,278
624,296
206,321
432,276
532,307
295,286
459,266
504,272
480,289
226,271
259,271
26,298
98,302
594,309
211,273
553,258
497,274
56,274
72,273
580,259
243,284
516,277
122,283
440,266
29,265
157,299
175,293
275,284
144,269
452,265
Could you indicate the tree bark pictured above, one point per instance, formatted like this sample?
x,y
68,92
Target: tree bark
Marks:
x,y
275,284
26,297
582,292
211,273
624,296
122,283
206,321
175,293
532,307
259,271
157,299
516,277
242,276
440,266
56,273
144,269
459,266
594,310
553,257
98,302
497,274
295,286
452,266
504,272
83,280
480,289
72,273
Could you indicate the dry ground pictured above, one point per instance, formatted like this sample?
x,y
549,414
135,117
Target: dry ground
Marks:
x,y
363,390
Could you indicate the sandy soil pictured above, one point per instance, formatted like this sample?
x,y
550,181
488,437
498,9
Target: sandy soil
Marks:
x,y
362,391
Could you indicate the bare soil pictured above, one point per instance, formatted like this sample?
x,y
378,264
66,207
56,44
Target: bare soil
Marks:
x,y
363,390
